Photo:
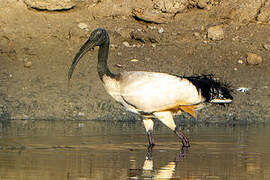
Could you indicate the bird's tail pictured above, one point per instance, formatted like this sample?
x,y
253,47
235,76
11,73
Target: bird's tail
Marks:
x,y
213,90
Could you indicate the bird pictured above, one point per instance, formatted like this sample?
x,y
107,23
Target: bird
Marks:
x,y
154,95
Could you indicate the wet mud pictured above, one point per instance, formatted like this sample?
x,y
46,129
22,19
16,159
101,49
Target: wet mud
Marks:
x,y
37,50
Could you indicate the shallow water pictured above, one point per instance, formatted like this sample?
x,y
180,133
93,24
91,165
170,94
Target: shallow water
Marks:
x,y
105,150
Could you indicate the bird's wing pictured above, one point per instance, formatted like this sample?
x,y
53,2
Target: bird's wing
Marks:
x,y
149,91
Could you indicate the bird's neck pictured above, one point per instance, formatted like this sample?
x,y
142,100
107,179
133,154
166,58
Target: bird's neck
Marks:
x,y
102,68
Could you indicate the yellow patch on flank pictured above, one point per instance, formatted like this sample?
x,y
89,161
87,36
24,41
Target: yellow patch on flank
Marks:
x,y
190,109
174,110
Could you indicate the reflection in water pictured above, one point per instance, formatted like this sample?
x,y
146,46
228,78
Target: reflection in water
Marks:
x,y
86,150
165,172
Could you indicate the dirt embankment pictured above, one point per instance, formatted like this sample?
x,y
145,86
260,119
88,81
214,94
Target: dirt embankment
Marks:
x,y
185,37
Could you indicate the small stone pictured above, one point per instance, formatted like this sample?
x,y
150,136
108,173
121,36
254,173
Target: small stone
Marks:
x,y
240,61
205,42
125,43
215,33
264,12
50,5
152,27
138,45
202,28
81,114
118,65
113,46
196,34
28,64
80,125
134,60
83,26
154,45
147,59
161,30
266,46
124,32
145,36
254,59
171,6
202,4
119,54
243,89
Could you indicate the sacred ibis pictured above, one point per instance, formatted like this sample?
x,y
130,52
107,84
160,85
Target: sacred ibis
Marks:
x,y
154,95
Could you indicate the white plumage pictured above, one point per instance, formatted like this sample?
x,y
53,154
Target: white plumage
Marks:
x,y
150,91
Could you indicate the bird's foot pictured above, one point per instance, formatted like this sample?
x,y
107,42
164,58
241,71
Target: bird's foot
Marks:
x,y
149,152
180,156
183,138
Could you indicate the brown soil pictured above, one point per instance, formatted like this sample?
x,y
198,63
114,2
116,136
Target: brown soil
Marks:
x,y
50,40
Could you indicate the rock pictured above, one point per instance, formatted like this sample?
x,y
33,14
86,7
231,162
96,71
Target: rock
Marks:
x,y
113,46
81,114
152,27
118,65
145,36
215,33
243,89
196,34
254,59
266,46
264,15
134,60
50,5
202,4
83,26
240,61
161,30
241,11
28,64
124,32
116,8
171,6
150,16
125,43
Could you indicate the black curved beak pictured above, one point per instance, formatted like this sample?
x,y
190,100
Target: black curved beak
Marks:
x,y
88,45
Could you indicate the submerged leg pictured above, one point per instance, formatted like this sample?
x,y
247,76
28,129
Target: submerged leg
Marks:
x,y
149,124
181,154
166,118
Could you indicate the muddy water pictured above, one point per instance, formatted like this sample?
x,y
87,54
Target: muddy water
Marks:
x,y
101,150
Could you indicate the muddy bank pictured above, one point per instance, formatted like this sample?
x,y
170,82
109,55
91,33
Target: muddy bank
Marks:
x,y
37,47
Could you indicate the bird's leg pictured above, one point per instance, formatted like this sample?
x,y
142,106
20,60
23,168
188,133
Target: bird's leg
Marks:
x,y
182,136
149,152
180,155
166,118
149,124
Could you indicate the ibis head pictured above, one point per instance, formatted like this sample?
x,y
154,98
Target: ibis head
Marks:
x,y
98,37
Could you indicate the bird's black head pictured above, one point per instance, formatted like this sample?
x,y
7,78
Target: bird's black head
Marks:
x,y
98,37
